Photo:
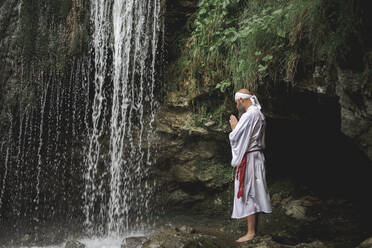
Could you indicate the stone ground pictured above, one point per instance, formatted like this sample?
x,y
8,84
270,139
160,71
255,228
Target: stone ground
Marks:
x,y
298,221
193,232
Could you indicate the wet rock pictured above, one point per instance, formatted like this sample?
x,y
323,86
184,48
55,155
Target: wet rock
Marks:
x,y
298,208
133,242
172,244
179,196
74,244
314,244
186,229
275,200
285,201
26,238
208,149
266,241
182,237
184,173
366,243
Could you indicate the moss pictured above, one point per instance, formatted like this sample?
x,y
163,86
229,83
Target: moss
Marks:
x,y
213,173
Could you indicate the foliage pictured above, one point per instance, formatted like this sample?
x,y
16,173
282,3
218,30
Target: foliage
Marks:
x,y
211,110
247,42
223,85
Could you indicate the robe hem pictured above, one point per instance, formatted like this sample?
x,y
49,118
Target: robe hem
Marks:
x,y
257,211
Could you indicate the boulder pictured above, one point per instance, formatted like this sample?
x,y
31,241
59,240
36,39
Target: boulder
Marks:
x,y
366,243
298,208
314,244
181,237
186,229
133,242
74,244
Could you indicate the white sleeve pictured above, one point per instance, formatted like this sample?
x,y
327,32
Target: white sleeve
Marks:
x,y
240,136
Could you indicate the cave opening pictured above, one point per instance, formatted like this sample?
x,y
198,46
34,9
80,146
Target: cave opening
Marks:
x,y
315,158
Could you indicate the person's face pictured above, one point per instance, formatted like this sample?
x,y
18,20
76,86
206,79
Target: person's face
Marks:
x,y
240,106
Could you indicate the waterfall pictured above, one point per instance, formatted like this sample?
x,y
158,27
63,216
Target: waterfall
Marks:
x,y
6,166
39,161
117,193
78,132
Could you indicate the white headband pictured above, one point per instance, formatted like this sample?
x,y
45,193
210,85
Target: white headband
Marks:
x,y
253,98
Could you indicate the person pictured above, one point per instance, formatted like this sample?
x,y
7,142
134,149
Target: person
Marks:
x,y
247,140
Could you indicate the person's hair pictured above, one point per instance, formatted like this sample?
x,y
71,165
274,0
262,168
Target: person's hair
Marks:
x,y
245,91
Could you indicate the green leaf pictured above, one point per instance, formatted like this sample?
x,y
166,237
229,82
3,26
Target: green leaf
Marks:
x,y
245,32
258,53
223,85
262,68
281,33
278,12
267,58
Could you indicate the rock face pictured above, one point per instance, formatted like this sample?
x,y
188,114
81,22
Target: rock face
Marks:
x,y
194,151
40,44
193,160
177,15
355,94
192,119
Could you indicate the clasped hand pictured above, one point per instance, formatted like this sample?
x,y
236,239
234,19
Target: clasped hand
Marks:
x,y
233,121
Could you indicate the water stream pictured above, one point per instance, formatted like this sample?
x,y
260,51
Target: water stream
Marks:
x,y
84,151
124,204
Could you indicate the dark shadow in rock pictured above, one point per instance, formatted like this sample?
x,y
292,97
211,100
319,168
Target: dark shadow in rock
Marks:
x,y
319,160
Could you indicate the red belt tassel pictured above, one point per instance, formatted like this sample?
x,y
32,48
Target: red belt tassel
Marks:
x,y
240,172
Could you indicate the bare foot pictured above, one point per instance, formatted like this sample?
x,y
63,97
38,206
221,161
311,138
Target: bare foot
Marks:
x,y
247,237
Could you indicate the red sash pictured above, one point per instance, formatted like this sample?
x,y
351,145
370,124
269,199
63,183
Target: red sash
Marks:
x,y
240,172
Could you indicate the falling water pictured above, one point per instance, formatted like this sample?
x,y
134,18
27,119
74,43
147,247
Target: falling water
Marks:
x,y
92,117
39,163
136,27
6,166
93,191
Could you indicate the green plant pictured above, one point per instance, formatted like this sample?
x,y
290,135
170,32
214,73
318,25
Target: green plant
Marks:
x,y
243,42
223,85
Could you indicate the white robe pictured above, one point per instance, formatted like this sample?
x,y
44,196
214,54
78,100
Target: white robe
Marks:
x,y
248,135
